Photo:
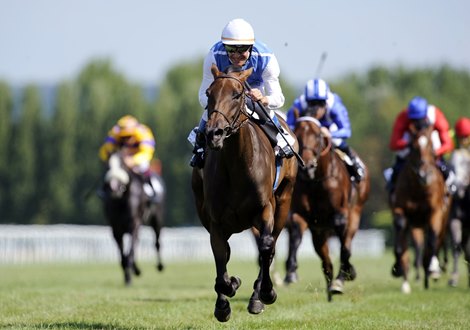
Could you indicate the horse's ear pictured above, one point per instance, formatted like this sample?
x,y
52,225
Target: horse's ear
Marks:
x,y
296,113
215,71
245,74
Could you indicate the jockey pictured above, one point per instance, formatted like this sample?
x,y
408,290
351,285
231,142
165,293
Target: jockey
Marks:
x,y
460,157
419,111
238,48
319,102
139,143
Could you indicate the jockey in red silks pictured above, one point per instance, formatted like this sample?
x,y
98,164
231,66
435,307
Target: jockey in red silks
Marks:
x,y
420,113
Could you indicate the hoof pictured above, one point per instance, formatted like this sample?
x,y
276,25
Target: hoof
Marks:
x,y
255,306
350,274
222,314
337,287
397,271
269,297
291,277
406,288
454,280
160,267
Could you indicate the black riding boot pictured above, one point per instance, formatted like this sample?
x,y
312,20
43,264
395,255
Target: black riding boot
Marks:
x,y
357,170
198,158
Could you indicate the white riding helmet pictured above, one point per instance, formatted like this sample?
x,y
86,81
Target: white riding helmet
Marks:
x,y
238,32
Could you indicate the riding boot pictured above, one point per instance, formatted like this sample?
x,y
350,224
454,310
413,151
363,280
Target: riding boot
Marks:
x,y
357,170
197,160
396,168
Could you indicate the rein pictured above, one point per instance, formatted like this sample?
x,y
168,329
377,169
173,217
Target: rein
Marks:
x,y
235,124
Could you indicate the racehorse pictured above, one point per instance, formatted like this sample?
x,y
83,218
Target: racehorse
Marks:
x,y
242,186
419,208
326,201
127,207
459,220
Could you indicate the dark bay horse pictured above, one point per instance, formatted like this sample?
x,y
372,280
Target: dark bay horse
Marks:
x,y
240,188
127,207
419,208
326,201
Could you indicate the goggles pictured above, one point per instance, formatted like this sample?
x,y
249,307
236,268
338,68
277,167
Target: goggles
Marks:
x,y
240,49
316,103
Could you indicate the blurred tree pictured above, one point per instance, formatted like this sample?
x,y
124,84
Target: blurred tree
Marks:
x,y
6,122
27,144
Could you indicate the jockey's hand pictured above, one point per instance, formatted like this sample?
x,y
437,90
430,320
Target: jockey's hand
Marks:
x,y
256,95
326,132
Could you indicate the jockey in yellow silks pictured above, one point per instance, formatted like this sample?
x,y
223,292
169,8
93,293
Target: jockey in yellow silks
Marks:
x,y
139,143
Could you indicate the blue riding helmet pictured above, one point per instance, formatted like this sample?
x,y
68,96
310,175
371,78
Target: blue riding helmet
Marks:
x,y
316,89
417,108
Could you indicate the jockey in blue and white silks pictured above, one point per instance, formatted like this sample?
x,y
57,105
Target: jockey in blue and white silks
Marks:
x,y
238,48
318,101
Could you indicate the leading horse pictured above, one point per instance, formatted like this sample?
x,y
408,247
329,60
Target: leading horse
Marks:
x,y
419,208
326,201
127,207
241,186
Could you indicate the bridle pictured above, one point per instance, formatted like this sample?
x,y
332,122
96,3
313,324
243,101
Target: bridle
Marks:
x,y
319,151
232,125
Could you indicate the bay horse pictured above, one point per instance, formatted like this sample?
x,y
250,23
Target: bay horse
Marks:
x,y
419,208
459,219
127,207
326,200
242,186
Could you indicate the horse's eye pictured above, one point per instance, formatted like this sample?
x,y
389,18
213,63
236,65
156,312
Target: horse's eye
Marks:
x,y
236,95
207,92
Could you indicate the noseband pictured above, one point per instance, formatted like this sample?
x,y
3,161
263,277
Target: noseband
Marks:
x,y
234,124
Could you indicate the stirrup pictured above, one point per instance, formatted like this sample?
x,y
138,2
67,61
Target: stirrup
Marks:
x,y
285,152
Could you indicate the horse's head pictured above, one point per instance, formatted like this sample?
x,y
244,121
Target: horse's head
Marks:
x,y
225,105
117,177
422,156
312,144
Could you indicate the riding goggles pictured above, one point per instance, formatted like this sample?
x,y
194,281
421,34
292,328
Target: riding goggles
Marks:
x,y
240,49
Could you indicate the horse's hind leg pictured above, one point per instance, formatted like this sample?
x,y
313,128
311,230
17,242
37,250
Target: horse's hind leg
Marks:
x,y
155,221
295,230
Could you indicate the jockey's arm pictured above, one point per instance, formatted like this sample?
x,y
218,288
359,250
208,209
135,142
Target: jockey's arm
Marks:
x,y
207,78
442,126
339,115
272,88
400,127
107,148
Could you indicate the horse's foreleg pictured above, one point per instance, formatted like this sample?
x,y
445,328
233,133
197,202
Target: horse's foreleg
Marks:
x,y
225,286
347,271
455,227
434,242
401,266
118,237
417,236
320,244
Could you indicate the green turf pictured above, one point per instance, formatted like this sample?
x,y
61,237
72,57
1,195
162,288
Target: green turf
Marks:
x,y
92,296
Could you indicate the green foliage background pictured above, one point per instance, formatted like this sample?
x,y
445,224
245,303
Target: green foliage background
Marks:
x,y
49,161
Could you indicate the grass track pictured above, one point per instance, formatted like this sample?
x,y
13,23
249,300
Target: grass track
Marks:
x,y
92,296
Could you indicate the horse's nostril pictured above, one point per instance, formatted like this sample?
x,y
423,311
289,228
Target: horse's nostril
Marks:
x,y
219,132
